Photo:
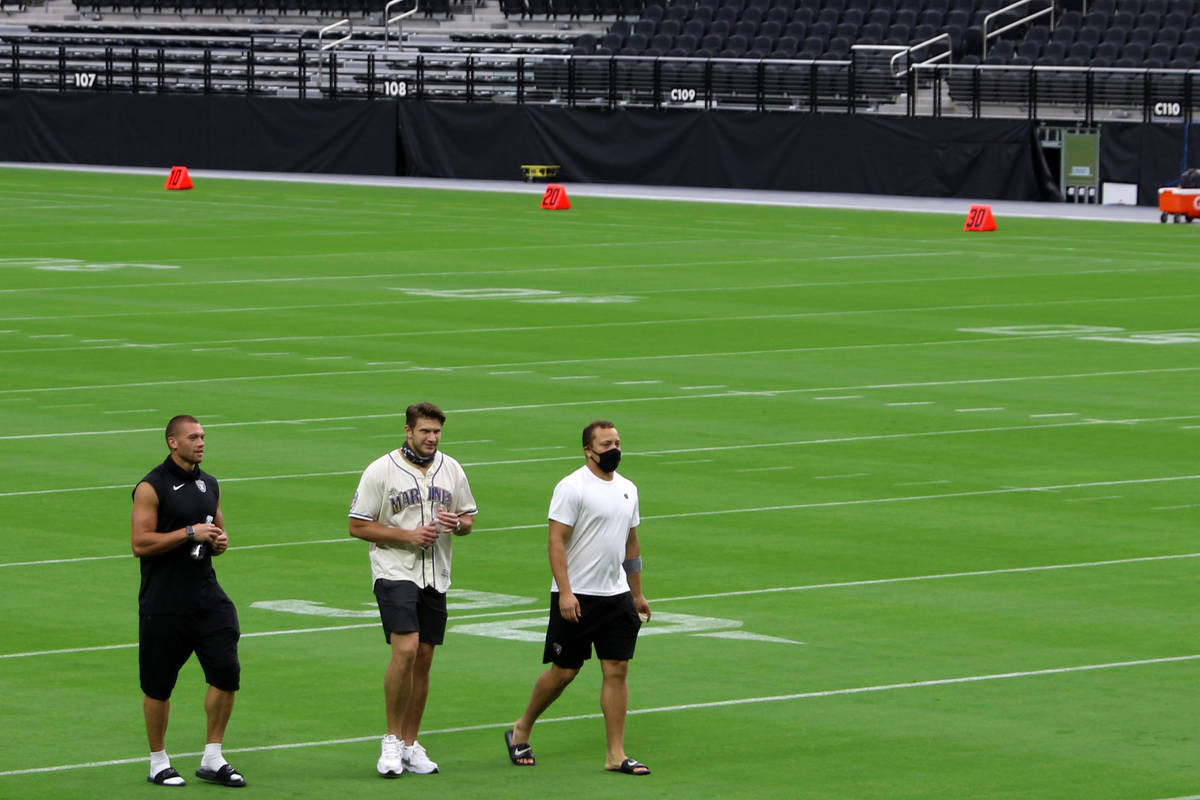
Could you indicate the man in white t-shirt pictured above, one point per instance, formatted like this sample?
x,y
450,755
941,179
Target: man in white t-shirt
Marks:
x,y
407,503
596,597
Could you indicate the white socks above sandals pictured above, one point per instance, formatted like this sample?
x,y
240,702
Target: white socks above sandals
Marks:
x,y
159,760
212,757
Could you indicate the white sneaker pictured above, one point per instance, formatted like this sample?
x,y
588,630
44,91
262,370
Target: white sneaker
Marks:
x,y
391,762
415,759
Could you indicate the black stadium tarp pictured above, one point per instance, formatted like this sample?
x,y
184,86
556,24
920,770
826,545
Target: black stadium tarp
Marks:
x,y
998,159
201,132
1149,155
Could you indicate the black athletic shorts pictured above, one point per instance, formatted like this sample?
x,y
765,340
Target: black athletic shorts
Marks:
x,y
404,607
166,641
611,624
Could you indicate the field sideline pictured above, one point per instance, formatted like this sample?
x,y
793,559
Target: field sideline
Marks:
x,y
918,504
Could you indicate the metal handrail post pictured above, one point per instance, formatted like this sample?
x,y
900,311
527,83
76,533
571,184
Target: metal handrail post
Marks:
x,y
998,12
399,20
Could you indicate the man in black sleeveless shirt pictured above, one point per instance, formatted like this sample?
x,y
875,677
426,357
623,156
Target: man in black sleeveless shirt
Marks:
x,y
177,528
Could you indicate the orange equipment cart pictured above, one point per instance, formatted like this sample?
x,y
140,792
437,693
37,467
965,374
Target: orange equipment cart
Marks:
x,y
1181,204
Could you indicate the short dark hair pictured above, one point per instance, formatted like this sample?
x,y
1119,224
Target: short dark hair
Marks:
x,y
423,411
589,431
175,422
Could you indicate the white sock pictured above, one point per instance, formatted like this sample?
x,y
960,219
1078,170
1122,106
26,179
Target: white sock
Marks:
x,y
159,760
212,757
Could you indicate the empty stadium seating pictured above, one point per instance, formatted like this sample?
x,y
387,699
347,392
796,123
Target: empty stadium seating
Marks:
x,y
1142,32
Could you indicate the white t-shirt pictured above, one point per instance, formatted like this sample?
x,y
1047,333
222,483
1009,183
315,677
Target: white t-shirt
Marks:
x,y
600,514
395,493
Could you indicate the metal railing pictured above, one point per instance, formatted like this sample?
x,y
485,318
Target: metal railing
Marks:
x,y
388,19
879,82
1001,12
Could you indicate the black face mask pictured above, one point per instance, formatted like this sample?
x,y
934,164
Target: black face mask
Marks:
x,y
609,459
412,456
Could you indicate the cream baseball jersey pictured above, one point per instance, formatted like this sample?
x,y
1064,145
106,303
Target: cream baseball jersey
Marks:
x,y
398,494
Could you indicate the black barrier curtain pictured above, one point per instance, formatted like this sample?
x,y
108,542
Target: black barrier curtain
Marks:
x,y
742,150
234,133
1151,156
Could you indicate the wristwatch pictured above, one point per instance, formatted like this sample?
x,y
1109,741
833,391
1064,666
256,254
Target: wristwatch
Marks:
x,y
191,532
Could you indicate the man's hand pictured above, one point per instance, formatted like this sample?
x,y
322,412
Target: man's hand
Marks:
x,y
568,606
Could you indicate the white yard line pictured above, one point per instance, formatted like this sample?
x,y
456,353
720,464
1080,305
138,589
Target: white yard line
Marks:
x,y
685,598
731,702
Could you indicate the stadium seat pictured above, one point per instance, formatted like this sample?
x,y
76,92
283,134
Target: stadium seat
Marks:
x,y
752,14
1159,53
1187,52
720,28
1109,51
797,30
905,16
735,47
1039,34
727,13
845,30
1143,36
1151,20
1080,50
1055,52
772,29
584,45
829,16
1175,20
779,15
1115,35
785,47
761,47
898,34
838,48
853,16
635,44
871,33
745,28
1167,36
687,43
1135,51
923,33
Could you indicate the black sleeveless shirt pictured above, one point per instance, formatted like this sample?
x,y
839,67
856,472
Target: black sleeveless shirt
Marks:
x,y
173,582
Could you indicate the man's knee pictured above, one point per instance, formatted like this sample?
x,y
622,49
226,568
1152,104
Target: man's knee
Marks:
x,y
404,649
563,675
614,670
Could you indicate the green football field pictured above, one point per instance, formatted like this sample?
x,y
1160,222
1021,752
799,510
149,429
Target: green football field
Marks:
x,y
919,506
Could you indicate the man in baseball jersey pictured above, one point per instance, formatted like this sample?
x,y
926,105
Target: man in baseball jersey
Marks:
x,y
407,503
176,529
596,596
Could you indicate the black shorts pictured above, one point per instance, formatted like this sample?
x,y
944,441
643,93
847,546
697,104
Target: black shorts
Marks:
x,y
404,607
166,641
609,623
